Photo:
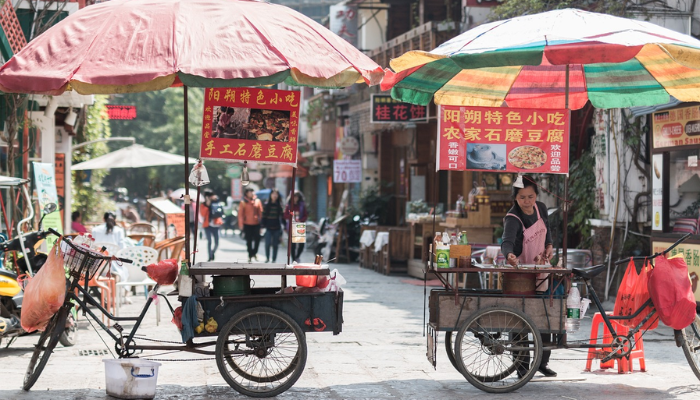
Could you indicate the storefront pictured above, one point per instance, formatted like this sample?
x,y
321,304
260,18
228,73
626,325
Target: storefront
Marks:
x,y
676,184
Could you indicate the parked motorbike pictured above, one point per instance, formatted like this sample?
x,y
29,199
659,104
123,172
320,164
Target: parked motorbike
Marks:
x,y
328,237
11,293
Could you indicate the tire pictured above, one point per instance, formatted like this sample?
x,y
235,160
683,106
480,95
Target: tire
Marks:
x,y
691,345
42,352
449,348
493,344
261,352
70,334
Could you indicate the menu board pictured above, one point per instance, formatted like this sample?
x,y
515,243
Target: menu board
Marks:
x,y
676,127
503,139
250,124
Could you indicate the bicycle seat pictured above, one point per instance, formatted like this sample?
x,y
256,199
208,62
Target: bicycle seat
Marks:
x,y
589,272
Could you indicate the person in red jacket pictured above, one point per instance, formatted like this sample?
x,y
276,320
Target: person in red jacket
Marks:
x,y
249,218
300,214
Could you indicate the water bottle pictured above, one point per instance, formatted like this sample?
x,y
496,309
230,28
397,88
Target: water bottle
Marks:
x,y
573,310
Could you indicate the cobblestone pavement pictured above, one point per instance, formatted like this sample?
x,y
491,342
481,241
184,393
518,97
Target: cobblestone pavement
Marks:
x,y
379,355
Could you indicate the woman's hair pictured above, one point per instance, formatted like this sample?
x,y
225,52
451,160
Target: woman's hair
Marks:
x,y
110,221
279,198
300,194
75,215
528,181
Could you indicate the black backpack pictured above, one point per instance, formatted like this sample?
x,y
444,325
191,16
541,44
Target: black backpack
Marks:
x,y
216,210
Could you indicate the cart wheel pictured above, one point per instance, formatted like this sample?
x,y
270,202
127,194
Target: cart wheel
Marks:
x,y
450,349
498,349
261,352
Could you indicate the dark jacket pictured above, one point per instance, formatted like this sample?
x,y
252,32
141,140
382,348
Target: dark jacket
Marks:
x,y
272,216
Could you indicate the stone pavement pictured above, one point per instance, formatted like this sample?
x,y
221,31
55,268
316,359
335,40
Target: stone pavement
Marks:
x,y
379,355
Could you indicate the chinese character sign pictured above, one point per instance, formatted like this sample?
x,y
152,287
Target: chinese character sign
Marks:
x,y
343,22
121,112
503,139
251,124
386,109
677,127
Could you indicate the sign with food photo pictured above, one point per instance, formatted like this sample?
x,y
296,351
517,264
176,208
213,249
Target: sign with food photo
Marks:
x,y
676,127
250,124
503,139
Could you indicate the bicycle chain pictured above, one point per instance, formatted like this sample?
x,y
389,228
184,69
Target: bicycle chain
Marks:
x,y
156,340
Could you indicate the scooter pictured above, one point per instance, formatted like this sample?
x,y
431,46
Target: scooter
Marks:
x,y
11,293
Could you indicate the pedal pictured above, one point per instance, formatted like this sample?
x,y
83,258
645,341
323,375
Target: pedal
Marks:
x,y
118,328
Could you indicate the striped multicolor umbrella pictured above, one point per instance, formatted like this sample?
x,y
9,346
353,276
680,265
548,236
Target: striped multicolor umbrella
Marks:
x,y
522,62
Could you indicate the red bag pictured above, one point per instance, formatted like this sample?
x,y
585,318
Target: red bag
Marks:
x,y
164,272
633,293
45,292
669,286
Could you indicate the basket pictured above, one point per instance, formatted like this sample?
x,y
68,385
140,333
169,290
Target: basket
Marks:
x,y
81,261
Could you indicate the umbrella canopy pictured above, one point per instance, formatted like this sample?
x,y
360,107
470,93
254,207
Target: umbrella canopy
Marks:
x,y
134,156
6,181
523,62
140,45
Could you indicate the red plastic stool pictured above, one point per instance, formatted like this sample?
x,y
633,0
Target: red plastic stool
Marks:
x,y
623,365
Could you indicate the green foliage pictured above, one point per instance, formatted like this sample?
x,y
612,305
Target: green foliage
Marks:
x,y
88,195
372,202
516,8
160,125
581,191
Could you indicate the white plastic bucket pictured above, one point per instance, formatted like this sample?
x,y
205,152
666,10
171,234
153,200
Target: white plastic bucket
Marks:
x,y
131,378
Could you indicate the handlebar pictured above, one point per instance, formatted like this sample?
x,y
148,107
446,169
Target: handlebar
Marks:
x,y
53,231
679,241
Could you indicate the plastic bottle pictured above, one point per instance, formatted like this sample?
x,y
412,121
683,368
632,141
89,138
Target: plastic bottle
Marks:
x,y
453,239
463,238
184,285
443,255
573,310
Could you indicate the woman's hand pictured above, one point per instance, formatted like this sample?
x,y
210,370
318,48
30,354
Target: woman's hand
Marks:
x,y
512,259
548,252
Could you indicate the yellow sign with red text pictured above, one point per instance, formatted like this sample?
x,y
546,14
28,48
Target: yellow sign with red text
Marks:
x,y
691,253
249,124
676,127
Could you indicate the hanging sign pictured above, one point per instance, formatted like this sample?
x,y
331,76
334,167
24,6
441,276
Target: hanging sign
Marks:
x,y
121,112
45,181
250,124
503,139
657,192
676,127
385,109
347,171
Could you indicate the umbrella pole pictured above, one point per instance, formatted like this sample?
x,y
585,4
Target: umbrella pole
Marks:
x,y
196,225
565,206
291,216
187,187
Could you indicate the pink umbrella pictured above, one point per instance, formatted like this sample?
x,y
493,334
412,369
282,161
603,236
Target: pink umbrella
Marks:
x,y
125,46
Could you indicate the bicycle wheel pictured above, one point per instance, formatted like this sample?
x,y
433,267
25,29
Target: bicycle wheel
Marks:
x,y
261,352
495,343
691,345
42,353
70,333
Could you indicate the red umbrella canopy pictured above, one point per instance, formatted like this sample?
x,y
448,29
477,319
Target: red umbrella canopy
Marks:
x,y
125,46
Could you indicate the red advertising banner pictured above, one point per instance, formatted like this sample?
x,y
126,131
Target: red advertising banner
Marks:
x,y
121,112
503,139
250,124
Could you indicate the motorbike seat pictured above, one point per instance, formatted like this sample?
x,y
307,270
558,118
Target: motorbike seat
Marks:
x,y
8,274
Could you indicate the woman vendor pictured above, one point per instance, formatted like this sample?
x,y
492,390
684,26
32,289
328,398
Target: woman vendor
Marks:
x,y
527,238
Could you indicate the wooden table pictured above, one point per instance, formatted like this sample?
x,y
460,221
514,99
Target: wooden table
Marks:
x,y
241,269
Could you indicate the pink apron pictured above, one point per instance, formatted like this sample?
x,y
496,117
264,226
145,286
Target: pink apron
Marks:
x,y
533,245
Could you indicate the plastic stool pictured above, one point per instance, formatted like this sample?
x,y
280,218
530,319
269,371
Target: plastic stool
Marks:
x,y
623,365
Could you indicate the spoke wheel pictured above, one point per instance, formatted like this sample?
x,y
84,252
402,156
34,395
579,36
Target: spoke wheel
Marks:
x,y
44,347
498,349
691,345
261,352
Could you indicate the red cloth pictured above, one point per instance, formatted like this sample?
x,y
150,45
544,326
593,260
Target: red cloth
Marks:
x,y
670,289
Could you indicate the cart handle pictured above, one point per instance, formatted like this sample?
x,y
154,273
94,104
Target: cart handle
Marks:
x,y
679,241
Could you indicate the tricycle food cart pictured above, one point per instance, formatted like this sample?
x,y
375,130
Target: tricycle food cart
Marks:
x,y
496,339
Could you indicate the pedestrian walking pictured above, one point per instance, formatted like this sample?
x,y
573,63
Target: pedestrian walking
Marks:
x,y
212,213
249,218
272,222
300,215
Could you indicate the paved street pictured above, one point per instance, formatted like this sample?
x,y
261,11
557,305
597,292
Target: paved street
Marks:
x,y
379,355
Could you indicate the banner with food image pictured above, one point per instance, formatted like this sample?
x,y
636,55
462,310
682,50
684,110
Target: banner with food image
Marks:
x,y
503,139
250,124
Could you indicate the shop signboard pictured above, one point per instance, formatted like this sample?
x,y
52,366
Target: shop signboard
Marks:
x,y
691,253
250,124
45,181
676,127
347,171
385,109
177,220
525,140
657,195
236,189
343,22
121,112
